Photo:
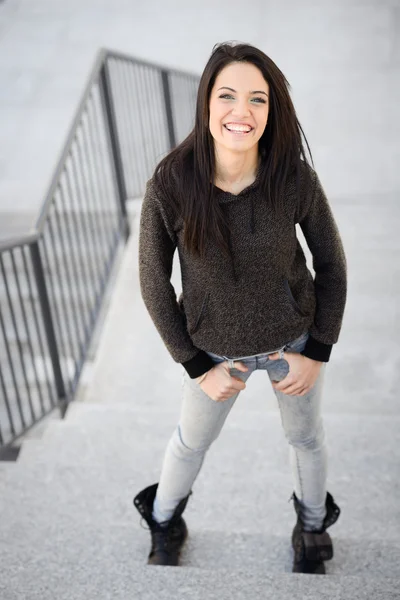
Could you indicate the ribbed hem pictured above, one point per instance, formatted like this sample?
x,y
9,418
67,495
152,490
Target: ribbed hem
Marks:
x,y
198,365
317,350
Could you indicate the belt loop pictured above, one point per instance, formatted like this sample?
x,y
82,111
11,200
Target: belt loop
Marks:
x,y
281,352
230,363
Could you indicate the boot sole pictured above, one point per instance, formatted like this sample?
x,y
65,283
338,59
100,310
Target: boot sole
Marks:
x,y
310,568
317,546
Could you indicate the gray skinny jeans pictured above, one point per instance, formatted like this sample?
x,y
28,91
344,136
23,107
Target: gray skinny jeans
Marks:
x,y
202,419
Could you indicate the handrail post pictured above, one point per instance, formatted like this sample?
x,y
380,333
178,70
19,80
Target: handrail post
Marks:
x,y
112,136
48,324
168,108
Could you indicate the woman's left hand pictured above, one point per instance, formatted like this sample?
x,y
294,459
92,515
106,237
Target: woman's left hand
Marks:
x,y
303,373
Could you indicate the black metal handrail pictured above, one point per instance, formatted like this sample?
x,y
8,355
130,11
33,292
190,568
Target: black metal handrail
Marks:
x,y
53,279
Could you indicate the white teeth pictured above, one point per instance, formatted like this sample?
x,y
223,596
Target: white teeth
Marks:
x,y
240,129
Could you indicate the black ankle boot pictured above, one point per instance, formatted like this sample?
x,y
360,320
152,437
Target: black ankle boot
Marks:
x,y
311,548
167,539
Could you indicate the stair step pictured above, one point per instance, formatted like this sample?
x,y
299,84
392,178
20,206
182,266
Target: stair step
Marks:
x,y
6,466
121,545
121,580
30,447
358,447
88,513
240,480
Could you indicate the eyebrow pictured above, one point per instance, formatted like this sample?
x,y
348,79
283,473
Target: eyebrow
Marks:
x,y
232,90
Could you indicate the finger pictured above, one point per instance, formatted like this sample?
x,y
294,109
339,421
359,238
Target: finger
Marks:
x,y
292,390
237,383
225,397
305,391
291,393
241,366
299,392
284,383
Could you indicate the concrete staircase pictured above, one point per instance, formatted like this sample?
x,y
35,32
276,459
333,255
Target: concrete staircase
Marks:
x,y
68,525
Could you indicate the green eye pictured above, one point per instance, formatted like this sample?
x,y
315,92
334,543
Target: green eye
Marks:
x,y
229,96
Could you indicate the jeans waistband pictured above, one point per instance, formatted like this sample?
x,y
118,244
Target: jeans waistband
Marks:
x,y
279,350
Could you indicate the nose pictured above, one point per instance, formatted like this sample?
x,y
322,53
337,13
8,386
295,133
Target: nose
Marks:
x,y
241,108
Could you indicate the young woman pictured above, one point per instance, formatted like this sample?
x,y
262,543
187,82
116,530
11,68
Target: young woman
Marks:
x,y
229,197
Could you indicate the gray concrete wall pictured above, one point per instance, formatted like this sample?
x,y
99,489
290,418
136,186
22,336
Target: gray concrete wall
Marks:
x,y
342,60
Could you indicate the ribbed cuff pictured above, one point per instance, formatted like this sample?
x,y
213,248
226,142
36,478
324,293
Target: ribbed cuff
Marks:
x,y
317,350
199,364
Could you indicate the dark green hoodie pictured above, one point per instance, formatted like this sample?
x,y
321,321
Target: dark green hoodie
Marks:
x,y
260,299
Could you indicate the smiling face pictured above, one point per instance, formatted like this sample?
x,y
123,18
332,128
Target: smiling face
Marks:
x,y
245,105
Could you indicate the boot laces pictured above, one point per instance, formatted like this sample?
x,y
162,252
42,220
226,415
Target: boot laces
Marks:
x,y
160,528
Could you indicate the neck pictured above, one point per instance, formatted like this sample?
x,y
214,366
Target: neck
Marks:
x,y
234,170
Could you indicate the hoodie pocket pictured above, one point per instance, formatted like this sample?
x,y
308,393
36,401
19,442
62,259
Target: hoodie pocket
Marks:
x,y
292,299
200,317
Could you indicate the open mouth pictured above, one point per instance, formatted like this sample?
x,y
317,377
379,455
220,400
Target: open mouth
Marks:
x,y
238,133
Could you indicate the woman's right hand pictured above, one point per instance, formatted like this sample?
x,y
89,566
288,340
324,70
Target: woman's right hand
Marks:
x,y
219,384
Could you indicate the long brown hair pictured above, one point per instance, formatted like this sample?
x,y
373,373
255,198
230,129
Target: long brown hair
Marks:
x,y
280,148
